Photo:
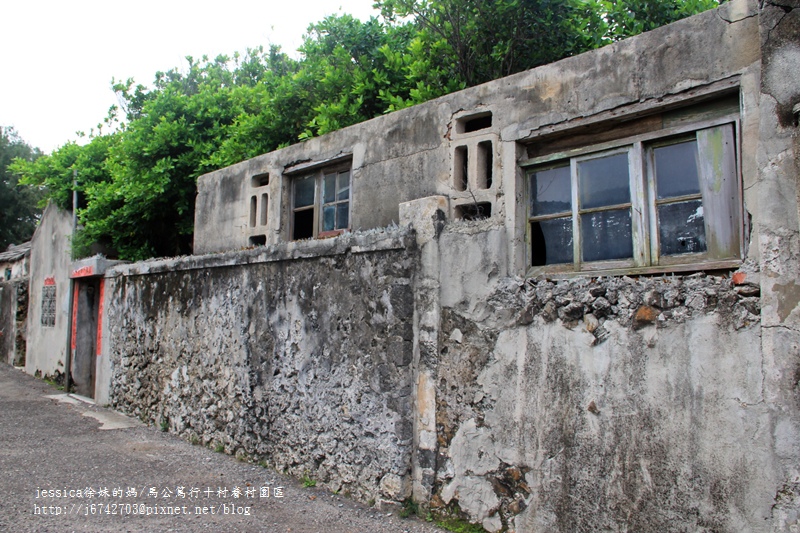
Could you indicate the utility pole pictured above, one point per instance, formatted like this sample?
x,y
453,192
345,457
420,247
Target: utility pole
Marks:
x,y
68,365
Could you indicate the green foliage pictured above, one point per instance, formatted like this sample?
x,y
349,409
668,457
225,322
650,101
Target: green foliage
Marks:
x,y
601,22
18,203
137,173
452,518
53,383
474,41
410,508
459,525
308,482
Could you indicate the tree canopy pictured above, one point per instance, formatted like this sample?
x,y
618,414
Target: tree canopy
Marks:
x,y
18,205
137,182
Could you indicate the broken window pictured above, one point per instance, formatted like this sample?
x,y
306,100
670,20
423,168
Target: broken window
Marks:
x,y
49,306
648,202
321,203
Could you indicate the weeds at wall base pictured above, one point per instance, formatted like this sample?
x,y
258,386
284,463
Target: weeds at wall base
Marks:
x,y
308,482
449,519
410,507
459,525
53,383
56,381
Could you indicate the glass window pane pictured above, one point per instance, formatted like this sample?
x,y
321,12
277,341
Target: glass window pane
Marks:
x,y
551,241
550,191
676,169
681,228
604,181
329,188
328,217
606,235
343,192
304,191
343,215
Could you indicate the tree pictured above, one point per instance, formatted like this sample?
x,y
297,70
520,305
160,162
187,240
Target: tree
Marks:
x,y
480,40
137,185
601,22
475,41
18,204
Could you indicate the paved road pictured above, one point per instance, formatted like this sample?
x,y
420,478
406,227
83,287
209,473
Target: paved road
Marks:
x,y
53,448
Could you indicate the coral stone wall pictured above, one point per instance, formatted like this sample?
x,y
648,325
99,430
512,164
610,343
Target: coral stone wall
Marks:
x,y
13,317
303,363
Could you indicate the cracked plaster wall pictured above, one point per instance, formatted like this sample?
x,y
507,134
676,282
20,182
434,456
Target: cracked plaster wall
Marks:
x,y
664,403
779,241
606,404
46,348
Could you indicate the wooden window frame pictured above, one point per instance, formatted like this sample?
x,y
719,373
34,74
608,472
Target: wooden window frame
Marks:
x,y
319,203
723,213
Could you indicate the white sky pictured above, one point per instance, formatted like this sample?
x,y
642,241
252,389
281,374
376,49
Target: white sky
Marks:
x,y
58,56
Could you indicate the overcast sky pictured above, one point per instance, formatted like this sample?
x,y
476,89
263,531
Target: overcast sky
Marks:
x,y
59,56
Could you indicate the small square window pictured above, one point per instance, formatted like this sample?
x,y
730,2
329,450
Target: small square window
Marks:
x,y
321,203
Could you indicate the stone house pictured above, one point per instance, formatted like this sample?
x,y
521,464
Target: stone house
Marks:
x,y
565,300
14,265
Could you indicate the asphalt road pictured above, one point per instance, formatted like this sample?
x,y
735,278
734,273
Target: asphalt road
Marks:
x,y
66,465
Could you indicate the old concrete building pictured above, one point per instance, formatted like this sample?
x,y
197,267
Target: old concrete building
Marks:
x,y
566,300
65,310
48,304
14,266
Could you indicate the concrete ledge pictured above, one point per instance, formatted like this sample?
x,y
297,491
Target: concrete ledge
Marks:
x,y
377,240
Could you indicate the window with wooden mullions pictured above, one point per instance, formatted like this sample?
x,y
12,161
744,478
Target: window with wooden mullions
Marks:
x,y
652,204
321,204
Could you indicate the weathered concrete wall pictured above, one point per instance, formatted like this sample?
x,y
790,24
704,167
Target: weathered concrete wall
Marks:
x,y
302,362
50,259
591,404
779,244
610,404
